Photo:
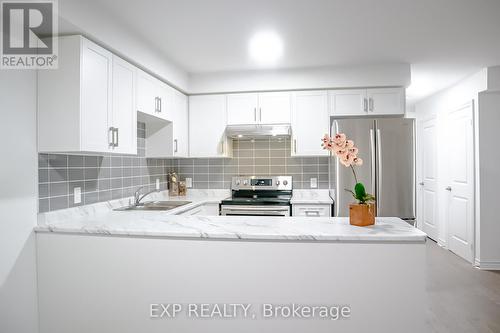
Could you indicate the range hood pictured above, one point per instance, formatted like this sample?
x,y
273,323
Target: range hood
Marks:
x,y
257,131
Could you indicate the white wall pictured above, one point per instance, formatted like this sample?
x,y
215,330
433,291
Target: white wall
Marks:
x,y
437,105
18,202
82,17
294,79
489,160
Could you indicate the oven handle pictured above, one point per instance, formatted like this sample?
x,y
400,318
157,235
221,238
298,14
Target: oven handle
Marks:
x,y
238,210
284,208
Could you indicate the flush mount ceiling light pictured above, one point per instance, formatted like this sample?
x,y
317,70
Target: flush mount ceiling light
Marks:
x,y
266,47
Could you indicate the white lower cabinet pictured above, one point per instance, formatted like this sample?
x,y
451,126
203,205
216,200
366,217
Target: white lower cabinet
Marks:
x,y
207,127
88,103
310,122
312,210
209,209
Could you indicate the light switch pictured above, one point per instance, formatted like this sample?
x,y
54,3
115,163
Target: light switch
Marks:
x,y
189,182
77,195
314,182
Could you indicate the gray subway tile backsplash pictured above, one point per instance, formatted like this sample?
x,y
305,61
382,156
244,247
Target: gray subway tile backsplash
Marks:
x,y
103,178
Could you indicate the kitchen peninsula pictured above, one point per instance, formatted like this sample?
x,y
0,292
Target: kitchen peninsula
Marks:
x,y
117,264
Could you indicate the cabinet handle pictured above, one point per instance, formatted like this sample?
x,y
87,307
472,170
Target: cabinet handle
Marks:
x,y
111,136
295,146
159,100
312,213
255,114
222,147
365,105
156,104
175,145
371,104
117,137
260,114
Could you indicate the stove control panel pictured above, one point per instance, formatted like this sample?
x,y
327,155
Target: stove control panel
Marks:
x,y
262,183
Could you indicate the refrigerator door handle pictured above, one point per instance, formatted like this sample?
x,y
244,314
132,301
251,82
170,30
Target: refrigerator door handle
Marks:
x,y
372,156
337,176
379,168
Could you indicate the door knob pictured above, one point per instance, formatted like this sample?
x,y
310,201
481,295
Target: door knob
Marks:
x,y
448,188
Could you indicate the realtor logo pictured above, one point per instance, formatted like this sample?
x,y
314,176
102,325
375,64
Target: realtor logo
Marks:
x,y
27,31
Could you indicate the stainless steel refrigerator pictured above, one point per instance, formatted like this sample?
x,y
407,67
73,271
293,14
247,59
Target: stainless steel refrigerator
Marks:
x,y
387,147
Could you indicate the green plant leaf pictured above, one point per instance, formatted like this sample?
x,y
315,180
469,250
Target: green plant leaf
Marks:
x,y
360,191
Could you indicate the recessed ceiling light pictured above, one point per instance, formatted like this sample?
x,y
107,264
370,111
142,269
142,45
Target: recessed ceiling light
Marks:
x,y
266,47
240,135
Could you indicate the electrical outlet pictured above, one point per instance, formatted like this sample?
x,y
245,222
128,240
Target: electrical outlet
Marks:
x,y
189,182
77,195
157,184
314,182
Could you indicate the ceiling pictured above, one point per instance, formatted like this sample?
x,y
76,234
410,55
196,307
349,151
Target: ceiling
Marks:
x,y
443,40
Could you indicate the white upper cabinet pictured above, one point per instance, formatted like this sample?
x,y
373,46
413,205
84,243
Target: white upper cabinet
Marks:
x,y
386,101
362,102
259,108
275,108
76,111
207,124
310,121
348,102
124,115
242,109
152,95
180,125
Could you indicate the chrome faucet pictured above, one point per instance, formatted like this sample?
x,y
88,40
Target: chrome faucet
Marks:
x,y
138,197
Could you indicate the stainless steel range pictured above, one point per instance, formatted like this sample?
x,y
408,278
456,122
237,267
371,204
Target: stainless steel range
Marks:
x,y
259,196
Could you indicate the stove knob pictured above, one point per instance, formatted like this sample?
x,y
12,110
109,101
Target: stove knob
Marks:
x,y
245,182
277,182
285,182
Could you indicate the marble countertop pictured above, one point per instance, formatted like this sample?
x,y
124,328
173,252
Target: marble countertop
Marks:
x,y
311,197
101,219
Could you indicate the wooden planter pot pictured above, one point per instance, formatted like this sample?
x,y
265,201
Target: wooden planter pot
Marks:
x,y
362,215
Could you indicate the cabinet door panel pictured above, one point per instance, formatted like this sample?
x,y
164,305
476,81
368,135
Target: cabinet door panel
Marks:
x,y
310,123
165,99
207,124
180,125
274,108
124,116
146,93
96,98
242,109
348,102
386,101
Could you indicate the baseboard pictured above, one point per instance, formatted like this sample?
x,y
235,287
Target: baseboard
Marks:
x,y
441,242
488,265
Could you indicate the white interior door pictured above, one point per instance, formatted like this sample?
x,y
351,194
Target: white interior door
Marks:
x,y
460,213
428,185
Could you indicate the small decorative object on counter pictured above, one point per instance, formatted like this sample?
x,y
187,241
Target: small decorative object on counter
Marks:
x,y
363,212
182,188
173,185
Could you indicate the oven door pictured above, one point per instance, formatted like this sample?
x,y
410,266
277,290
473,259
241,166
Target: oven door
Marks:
x,y
253,210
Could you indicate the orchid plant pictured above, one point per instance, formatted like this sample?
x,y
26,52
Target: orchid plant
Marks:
x,y
347,153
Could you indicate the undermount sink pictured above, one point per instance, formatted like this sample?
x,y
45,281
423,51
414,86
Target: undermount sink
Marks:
x,y
155,205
